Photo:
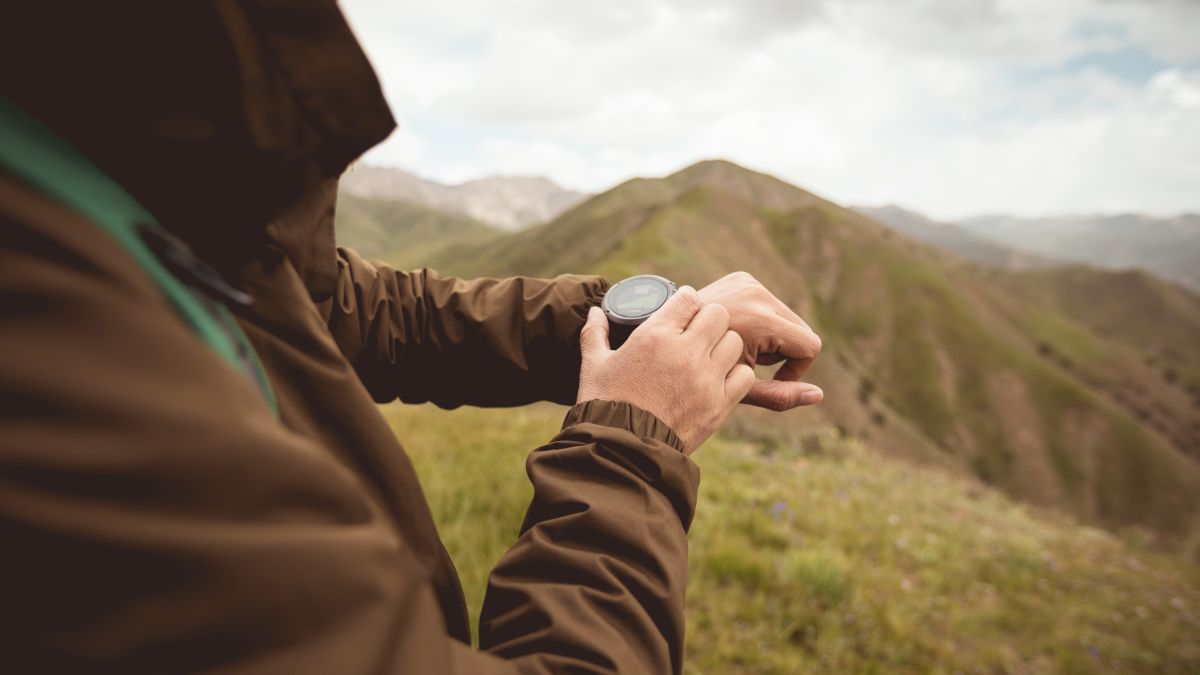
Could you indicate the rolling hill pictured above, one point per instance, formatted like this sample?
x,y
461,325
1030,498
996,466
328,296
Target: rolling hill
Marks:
x,y
1000,375
1158,321
401,230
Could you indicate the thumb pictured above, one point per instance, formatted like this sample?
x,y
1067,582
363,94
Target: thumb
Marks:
x,y
593,339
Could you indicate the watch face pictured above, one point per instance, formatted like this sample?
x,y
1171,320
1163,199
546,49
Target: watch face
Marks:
x,y
638,297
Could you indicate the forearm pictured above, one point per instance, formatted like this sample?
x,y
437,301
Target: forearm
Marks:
x,y
420,337
596,581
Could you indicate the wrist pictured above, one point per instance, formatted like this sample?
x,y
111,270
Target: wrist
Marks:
x,y
624,415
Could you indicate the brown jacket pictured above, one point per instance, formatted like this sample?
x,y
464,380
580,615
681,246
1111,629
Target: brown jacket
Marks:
x,y
157,516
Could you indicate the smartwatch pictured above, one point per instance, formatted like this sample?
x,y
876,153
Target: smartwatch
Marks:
x,y
629,302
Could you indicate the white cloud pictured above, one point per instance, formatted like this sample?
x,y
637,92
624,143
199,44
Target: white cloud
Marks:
x,y
953,106
403,148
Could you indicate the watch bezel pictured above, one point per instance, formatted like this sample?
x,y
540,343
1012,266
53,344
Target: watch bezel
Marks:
x,y
623,320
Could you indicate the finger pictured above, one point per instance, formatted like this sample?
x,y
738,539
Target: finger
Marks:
x,y
793,369
799,344
789,314
593,339
783,310
729,350
677,312
709,324
738,383
779,396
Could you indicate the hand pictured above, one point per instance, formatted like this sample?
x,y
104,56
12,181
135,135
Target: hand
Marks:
x,y
772,332
683,366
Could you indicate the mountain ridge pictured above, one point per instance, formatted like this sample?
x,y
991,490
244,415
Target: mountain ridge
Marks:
x,y
504,202
953,238
1168,247
929,358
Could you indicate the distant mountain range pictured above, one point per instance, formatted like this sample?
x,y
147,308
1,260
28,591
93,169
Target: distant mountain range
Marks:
x,y
505,202
954,238
1166,247
1069,387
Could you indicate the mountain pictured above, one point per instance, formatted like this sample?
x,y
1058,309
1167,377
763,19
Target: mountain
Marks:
x,y
992,373
400,231
505,202
1157,324
951,237
1167,247
1104,303
1158,321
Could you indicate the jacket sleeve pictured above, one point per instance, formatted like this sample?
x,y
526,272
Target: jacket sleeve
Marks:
x,y
595,583
487,342
156,517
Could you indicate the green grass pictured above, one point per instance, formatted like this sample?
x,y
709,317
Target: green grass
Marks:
x,y
403,233
834,558
1061,337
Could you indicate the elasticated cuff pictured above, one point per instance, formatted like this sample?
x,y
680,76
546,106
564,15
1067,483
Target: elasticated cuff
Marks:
x,y
621,415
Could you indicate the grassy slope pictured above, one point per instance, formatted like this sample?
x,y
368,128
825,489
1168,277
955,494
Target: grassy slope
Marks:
x,y
1159,325
954,356
1131,307
821,556
929,358
403,233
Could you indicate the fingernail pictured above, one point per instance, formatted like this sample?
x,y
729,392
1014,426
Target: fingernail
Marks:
x,y
812,396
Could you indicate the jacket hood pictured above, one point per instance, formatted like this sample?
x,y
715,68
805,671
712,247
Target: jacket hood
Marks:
x,y
216,115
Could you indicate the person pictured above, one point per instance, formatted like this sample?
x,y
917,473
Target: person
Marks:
x,y
194,475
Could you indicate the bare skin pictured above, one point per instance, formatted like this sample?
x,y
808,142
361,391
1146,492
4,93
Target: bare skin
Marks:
x,y
772,332
683,365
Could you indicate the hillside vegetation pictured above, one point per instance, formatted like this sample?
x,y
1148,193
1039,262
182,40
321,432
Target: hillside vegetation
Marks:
x,y
819,555
400,231
1009,379
1157,323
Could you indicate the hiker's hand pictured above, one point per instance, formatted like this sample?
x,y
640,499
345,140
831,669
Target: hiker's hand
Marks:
x,y
683,365
772,332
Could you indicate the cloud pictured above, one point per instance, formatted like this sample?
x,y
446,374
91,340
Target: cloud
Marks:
x,y
953,107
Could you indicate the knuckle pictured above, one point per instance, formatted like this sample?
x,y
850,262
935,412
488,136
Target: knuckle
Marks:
x,y
653,336
689,299
718,312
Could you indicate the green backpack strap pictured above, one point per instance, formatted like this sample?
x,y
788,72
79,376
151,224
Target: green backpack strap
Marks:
x,y
35,154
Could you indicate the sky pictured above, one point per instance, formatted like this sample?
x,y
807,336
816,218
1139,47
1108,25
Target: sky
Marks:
x,y
950,107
